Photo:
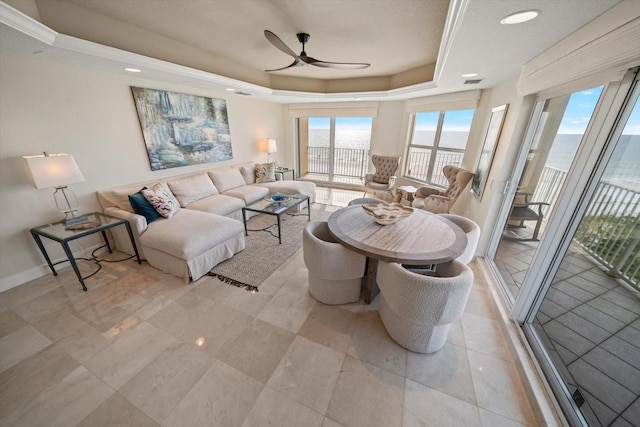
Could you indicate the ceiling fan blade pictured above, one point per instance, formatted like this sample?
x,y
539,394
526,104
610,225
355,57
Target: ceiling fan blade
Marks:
x,y
295,63
275,40
338,65
303,59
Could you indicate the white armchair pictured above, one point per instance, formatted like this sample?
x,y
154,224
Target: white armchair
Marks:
x,y
417,309
384,179
335,272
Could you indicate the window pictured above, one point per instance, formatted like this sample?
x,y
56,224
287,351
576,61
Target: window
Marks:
x,y
439,138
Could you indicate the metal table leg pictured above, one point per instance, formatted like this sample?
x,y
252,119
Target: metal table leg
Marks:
x,y
279,231
133,242
106,241
244,220
44,253
72,261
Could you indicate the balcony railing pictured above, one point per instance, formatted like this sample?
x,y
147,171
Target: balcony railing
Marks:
x,y
418,165
353,162
610,230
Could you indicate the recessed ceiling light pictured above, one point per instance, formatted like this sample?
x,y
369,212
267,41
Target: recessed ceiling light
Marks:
x,y
133,70
469,75
519,17
231,89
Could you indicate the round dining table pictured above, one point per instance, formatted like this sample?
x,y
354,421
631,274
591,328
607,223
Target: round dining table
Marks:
x,y
420,239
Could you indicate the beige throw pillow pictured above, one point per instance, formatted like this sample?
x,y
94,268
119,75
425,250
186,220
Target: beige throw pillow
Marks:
x,y
265,172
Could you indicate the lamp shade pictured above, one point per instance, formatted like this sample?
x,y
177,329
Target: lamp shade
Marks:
x,y
272,147
53,170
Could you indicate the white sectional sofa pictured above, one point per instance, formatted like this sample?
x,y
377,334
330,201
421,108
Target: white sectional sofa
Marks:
x,y
206,230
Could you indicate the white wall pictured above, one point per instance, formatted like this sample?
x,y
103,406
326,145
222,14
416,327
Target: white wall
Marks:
x,y
484,211
47,106
388,135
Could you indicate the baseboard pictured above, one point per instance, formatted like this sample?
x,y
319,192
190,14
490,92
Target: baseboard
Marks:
x,y
543,402
23,277
41,270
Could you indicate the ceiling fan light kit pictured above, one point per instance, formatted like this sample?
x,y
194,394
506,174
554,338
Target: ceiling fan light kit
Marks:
x,y
303,58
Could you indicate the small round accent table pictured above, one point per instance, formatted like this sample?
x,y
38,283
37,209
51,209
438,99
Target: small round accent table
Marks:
x,y
406,192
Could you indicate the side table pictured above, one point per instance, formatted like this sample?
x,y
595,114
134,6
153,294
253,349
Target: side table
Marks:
x,y
58,232
406,192
283,171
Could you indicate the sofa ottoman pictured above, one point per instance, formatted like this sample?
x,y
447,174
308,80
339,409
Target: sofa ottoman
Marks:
x,y
191,243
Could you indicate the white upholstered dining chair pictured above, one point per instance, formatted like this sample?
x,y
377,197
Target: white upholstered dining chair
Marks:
x,y
472,230
335,272
417,309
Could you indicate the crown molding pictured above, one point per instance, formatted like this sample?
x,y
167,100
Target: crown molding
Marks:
x,y
25,24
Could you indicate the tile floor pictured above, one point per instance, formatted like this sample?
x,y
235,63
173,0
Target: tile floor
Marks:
x,y
142,348
590,326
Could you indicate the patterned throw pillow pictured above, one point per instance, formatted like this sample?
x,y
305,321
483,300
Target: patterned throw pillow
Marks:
x,y
162,200
265,172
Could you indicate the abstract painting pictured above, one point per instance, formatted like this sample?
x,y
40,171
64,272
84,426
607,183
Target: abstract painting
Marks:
x,y
181,129
488,150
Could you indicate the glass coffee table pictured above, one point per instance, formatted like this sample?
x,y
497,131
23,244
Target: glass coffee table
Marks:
x,y
277,206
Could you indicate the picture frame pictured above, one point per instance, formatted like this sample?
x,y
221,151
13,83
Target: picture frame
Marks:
x,y
181,129
491,138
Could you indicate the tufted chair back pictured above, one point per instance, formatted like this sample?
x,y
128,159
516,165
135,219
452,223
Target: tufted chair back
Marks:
x,y
386,167
440,201
458,179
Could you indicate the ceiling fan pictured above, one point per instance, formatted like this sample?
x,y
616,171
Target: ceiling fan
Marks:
x,y
302,59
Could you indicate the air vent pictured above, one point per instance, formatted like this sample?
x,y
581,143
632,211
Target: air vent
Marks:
x,y
472,82
238,92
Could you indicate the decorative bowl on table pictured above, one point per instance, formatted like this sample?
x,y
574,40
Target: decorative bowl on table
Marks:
x,y
387,213
277,198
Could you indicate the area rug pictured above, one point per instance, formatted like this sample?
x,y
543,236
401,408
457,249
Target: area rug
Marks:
x,y
263,255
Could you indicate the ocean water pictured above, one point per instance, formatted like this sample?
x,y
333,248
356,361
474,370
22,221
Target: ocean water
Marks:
x,y
624,165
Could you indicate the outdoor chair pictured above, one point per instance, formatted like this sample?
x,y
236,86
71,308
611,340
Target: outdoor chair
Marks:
x,y
441,201
384,179
335,272
417,309
522,211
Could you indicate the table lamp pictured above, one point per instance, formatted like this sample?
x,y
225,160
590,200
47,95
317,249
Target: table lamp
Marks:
x,y
57,171
272,148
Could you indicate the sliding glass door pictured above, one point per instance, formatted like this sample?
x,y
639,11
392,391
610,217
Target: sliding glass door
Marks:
x,y
574,285
334,149
558,128
588,322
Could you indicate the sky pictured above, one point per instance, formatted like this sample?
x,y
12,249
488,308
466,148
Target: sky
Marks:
x,y
579,110
576,118
454,121
345,123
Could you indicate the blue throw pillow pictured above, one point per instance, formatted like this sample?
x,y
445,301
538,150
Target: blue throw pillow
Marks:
x,y
142,207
